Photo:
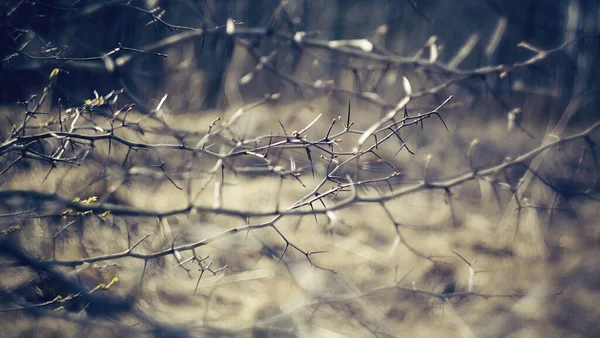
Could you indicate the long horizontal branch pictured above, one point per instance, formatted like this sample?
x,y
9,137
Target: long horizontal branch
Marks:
x,y
132,211
121,210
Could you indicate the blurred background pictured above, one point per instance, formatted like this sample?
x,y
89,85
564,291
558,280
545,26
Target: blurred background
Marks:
x,y
204,73
517,71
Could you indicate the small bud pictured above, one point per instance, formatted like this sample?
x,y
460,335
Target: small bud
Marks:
x,y
299,36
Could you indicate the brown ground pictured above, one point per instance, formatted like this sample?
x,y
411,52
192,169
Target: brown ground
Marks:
x,y
257,296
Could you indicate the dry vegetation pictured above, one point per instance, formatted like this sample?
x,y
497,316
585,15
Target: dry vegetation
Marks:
x,y
394,194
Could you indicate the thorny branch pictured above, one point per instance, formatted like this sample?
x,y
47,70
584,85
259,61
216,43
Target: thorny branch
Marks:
x,y
336,160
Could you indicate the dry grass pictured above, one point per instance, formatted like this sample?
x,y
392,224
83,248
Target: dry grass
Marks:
x,y
258,296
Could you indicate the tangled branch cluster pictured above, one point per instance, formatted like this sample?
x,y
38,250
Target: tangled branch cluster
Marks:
x,y
120,140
